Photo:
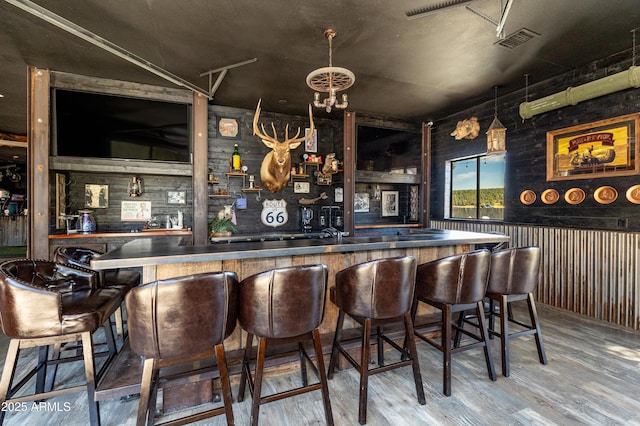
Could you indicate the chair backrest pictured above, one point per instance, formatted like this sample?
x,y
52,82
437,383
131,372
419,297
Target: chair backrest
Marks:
x,y
77,256
515,270
283,302
457,279
182,316
377,289
30,295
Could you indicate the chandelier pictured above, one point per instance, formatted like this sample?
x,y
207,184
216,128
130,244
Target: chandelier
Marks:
x,y
330,80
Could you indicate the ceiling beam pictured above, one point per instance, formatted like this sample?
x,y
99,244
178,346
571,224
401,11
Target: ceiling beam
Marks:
x,y
96,40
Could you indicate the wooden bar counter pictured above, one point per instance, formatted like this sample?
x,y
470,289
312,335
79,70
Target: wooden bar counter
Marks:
x,y
160,260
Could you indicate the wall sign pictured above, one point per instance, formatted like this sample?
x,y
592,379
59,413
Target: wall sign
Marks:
x,y
599,149
135,211
274,213
228,128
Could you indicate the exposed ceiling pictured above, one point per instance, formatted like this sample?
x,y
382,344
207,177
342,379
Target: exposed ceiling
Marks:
x,y
413,69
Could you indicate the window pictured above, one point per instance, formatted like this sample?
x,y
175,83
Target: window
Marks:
x,y
476,188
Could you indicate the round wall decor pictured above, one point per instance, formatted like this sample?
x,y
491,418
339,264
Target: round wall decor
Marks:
x,y
574,196
605,194
550,196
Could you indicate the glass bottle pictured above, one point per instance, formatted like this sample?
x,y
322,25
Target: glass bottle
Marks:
x,y
236,163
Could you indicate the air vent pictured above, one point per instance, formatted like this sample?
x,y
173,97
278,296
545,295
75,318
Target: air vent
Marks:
x,y
514,40
423,11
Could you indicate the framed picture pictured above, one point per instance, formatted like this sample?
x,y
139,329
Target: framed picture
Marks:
x,y
135,211
96,196
228,128
311,144
176,197
301,187
389,203
361,202
600,149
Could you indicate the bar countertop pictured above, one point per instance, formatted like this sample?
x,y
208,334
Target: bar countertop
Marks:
x,y
146,251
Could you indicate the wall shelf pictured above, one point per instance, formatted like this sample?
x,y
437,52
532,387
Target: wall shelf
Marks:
x,y
385,177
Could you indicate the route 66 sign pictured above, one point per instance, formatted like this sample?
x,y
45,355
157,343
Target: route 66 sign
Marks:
x,y
274,213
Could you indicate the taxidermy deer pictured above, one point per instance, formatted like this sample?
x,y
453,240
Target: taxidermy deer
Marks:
x,y
275,171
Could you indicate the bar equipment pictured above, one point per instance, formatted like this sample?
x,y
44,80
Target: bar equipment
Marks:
x,y
306,218
72,222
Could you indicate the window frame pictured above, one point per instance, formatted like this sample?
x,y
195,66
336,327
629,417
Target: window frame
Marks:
x,y
448,185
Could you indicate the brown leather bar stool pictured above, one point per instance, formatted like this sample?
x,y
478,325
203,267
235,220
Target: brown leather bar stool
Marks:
x,y
44,303
514,277
376,293
121,279
455,284
180,321
284,305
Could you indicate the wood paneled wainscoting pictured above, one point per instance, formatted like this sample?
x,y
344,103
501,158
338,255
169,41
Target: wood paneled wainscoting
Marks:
x,y
590,272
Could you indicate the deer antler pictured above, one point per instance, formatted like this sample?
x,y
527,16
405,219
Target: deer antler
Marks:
x,y
268,138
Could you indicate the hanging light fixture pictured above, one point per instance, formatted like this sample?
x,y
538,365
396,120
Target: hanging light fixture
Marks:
x,y
497,133
330,80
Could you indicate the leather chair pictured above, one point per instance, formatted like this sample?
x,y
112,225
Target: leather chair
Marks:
x,y
514,277
376,293
455,284
121,279
183,321
43,303
283,306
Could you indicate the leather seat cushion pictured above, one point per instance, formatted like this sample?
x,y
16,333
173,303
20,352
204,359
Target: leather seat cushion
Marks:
x,y
84,310
124,280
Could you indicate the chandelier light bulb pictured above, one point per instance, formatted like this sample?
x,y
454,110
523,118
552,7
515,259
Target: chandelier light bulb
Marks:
x,y
330,80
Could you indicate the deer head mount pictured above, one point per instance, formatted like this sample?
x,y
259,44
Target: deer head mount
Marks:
x,y
275,171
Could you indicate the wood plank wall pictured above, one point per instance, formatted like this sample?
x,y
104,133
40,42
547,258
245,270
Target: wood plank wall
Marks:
x,y
252,152
109,219
527,152
591,272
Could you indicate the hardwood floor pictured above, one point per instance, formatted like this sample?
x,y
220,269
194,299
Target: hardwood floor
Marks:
x,y
592,378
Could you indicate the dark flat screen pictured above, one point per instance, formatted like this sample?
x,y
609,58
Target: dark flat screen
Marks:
x,y
107,126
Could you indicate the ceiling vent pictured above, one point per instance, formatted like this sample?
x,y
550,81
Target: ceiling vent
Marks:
x,y
517,38
426,10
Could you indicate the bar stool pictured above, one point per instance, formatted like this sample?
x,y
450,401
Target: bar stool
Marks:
x,y
284,305
455,284
376,293
121,279
180,321
514,277
43,303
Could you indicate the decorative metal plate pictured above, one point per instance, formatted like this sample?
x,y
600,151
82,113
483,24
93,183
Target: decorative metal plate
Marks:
x,y
550,196
633,194
527,197
605,194
574,196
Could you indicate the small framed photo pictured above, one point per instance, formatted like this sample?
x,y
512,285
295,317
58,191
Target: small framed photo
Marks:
x,y
311,144
301,187
96,196
339,195
176,197
361,202
389,203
